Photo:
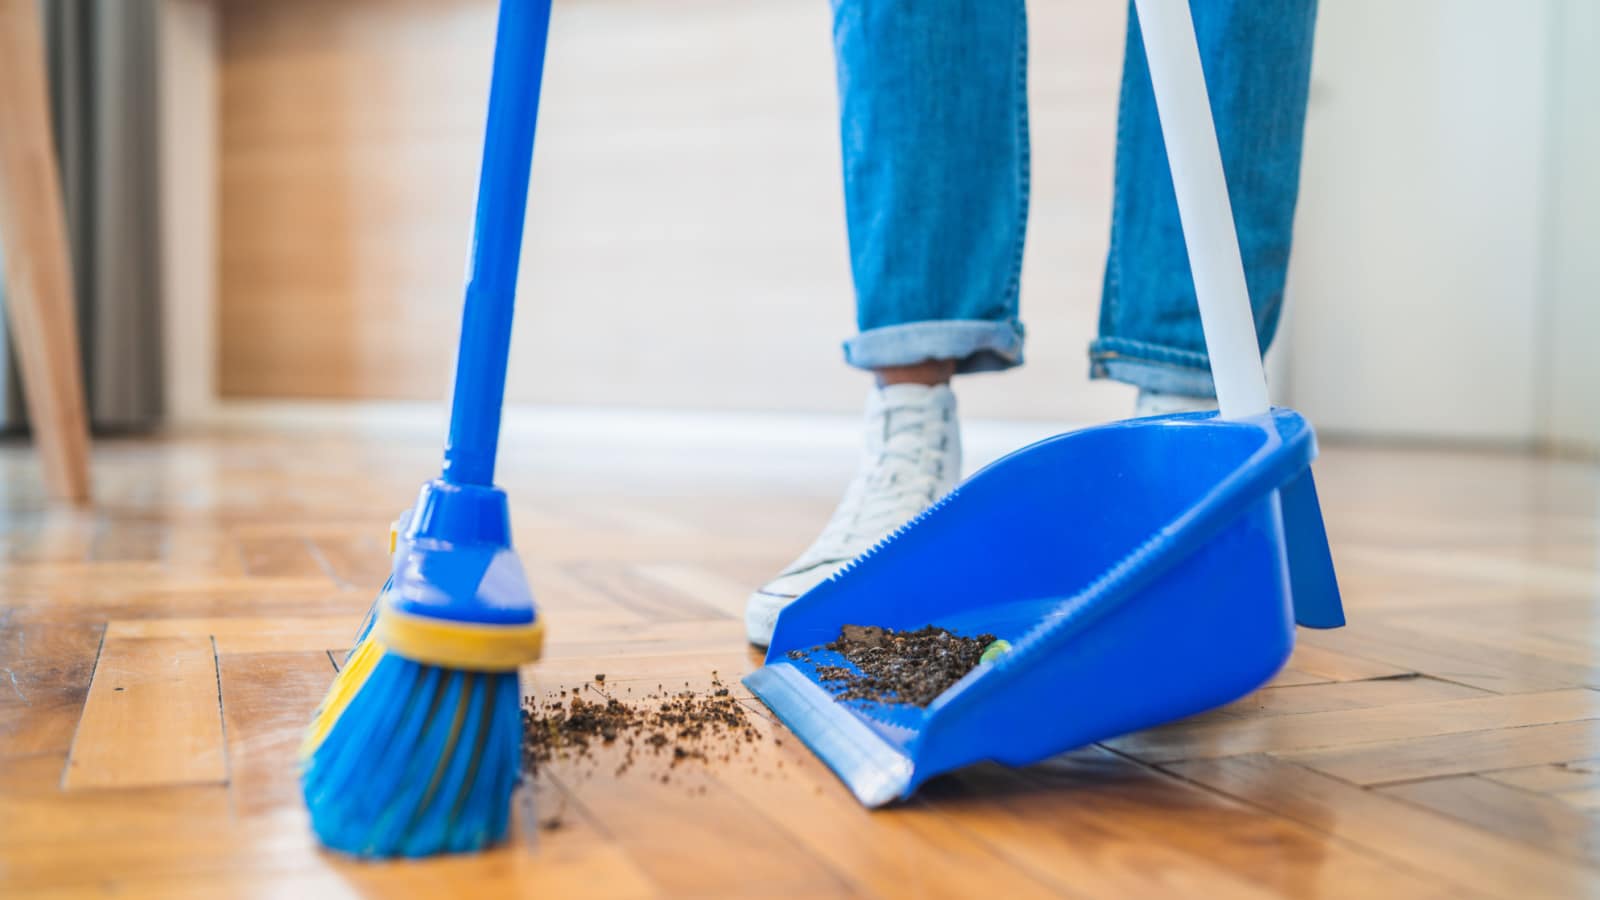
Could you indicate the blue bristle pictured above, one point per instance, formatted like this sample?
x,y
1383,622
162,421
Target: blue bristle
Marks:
x,y
397,775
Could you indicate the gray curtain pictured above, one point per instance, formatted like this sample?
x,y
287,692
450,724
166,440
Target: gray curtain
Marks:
x,y
104,100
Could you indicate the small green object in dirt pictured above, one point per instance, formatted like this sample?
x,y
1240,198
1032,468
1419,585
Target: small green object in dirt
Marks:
x,y
995,650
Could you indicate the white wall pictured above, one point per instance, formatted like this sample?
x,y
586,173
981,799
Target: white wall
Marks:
x,y
1417,241
686,235
1569,347
686,244
1437,281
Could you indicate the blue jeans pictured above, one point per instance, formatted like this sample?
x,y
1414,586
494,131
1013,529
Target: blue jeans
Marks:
x,y
934,111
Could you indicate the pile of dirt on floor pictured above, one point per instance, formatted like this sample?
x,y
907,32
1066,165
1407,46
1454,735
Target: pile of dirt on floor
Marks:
x,y
663,728
898,667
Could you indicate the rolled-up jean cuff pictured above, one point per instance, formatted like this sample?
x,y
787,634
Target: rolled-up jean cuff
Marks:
x,y
977,345
1152,367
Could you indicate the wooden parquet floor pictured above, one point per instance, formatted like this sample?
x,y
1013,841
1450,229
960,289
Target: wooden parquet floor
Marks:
x,y
160,655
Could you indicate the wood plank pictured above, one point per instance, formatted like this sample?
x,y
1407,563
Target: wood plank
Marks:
x,y
359,561
1451,660
1336,695
281,557
203,550
182,841
1455,754
1336,666
1574,783
188,887
571,604
135,590
705,585
1519,815
1202,738
1289,677
267,702
60,535
39,813
675,637
640,674
1490,631
221,856
152,717
663,825
912,850
1476,567
1048,833
1501,641
651,599
1456,853
693,836
44,677
129,541
578,859
1101,825
249,634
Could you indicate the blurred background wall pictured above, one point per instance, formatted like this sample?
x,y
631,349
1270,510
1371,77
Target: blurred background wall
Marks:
x,y
686,247
1444,281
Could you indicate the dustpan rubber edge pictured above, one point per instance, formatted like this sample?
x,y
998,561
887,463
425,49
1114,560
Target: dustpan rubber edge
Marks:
x,y
874,770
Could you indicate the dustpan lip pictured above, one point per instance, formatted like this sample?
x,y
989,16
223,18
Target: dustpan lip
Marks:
x,y
875,770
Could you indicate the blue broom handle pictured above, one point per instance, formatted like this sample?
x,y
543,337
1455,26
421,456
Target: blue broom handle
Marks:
x,y
496,242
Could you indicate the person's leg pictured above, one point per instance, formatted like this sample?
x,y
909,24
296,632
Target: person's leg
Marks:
x,y
1257,60
934,132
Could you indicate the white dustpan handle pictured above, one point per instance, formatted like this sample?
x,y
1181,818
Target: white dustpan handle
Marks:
x,y
1191,138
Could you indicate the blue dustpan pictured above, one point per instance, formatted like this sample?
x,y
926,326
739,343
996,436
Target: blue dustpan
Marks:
x,y
1142,571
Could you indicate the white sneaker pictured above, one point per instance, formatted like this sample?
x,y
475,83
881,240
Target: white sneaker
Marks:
x,y
911,459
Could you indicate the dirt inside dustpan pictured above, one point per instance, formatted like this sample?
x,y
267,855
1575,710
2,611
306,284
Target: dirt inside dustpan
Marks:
x,y
897,667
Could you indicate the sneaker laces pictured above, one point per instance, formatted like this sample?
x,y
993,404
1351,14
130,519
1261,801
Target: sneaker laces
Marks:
x,y
900,476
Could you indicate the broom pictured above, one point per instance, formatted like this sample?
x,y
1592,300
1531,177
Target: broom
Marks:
x,y
416,748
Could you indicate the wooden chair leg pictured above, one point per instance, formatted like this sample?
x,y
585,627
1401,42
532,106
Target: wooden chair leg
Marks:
x,y
38,273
